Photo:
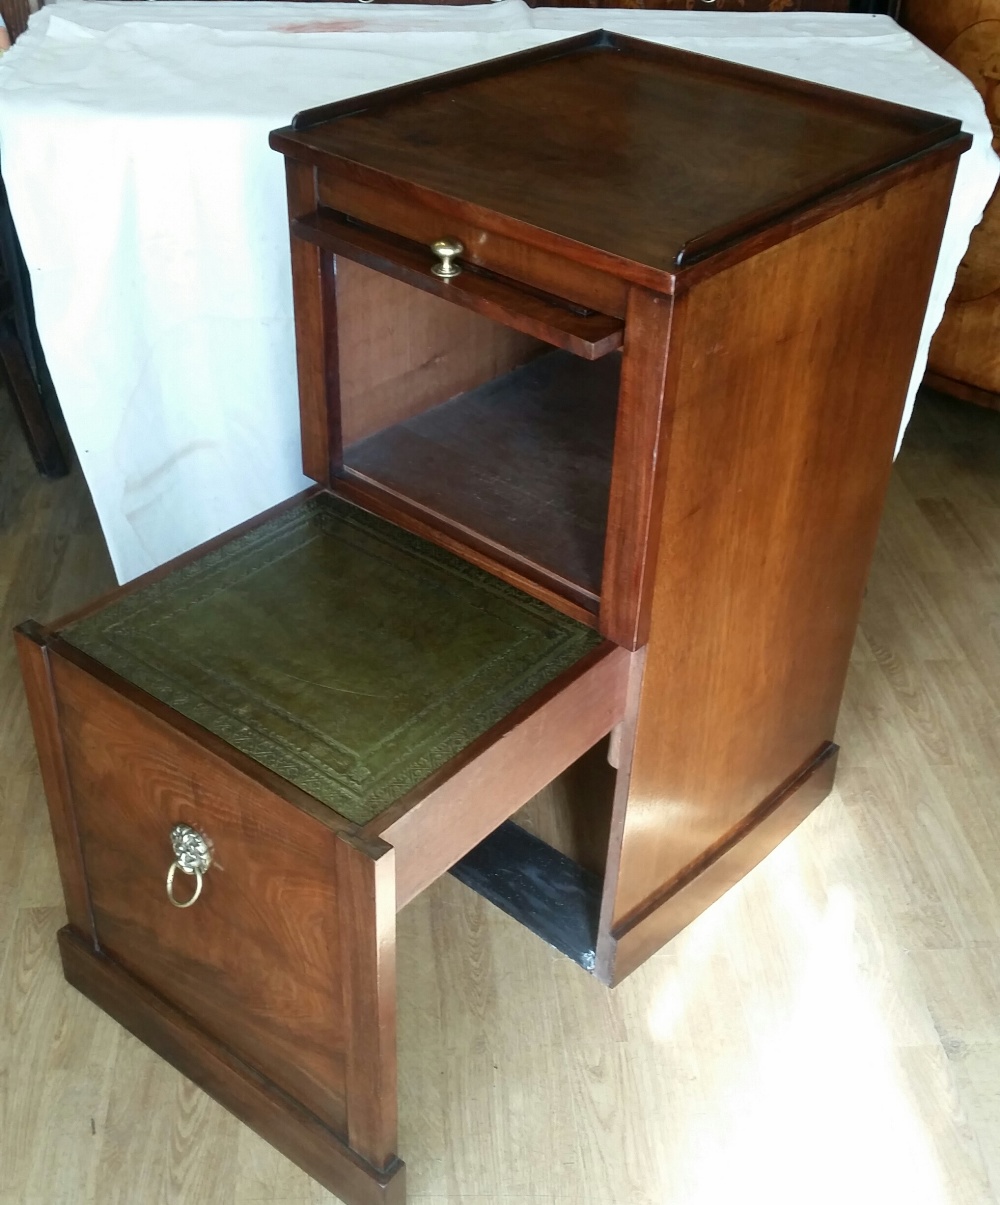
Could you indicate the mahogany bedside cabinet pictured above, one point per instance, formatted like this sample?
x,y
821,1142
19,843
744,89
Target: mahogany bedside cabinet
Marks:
x,y
602,353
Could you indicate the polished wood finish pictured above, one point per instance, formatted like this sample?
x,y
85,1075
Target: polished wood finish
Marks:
x,y
624,949
422,220
235,955
36,674
211,1064
584,333
965,352
402,352
758,147
566,597
641,432
824,154
366,874
535,441
503,770
287,961
774,244
316,347
776,469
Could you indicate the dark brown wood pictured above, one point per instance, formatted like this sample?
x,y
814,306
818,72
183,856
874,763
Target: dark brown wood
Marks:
x,y
251,1097
35,672
532,578
641,431
507,766
366,873
43,443
15,15
401,351
315,347
624,753
770,246
874,185
573,814
523,463
628,947
422,221
776,467
760,147
255,959
585,334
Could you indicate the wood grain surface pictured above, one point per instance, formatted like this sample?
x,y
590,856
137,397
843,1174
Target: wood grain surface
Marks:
x,y
265,941
830,1028
777,459
752,148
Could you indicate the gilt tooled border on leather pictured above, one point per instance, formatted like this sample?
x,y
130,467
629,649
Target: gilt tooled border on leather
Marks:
x,y
116,635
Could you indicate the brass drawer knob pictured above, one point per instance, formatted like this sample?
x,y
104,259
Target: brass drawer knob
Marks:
x,y
193,856
446,249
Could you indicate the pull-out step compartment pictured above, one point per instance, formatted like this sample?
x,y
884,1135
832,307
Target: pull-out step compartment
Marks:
x,y
256,758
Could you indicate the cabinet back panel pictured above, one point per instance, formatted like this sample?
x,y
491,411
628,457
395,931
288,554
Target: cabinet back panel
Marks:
x,y
402,351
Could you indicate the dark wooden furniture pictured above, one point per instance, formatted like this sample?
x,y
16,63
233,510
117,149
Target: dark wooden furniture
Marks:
x,y
608,494
28,382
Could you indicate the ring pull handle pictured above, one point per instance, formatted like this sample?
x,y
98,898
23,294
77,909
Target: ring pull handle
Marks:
x,y
446,249
193,856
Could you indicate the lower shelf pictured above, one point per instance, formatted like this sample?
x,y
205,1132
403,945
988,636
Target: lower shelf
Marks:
x,y
523,462
546,891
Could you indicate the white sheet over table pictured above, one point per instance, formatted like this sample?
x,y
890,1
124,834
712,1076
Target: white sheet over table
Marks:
x,y
152,213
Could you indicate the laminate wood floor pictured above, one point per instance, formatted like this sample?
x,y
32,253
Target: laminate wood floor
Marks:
x,y
827,1033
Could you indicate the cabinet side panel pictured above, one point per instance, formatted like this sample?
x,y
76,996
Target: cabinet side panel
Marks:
x,y
34,660
791,380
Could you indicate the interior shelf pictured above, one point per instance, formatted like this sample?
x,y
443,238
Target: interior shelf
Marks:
x,y
522,462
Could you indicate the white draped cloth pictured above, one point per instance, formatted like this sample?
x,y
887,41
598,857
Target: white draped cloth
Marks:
x,y
151,212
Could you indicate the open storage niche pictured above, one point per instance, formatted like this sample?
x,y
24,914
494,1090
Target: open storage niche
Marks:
x,y
546,866
480,407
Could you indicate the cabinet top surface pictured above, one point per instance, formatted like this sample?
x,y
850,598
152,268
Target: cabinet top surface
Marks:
x,y
652,155
344,654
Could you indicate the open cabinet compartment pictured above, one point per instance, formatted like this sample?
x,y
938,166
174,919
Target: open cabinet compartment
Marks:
x,y
478,408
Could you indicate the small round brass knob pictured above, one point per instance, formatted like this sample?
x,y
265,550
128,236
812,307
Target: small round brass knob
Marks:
x,y
446,249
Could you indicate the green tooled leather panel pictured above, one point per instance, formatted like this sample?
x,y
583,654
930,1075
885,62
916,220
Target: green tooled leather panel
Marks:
x,y
349,656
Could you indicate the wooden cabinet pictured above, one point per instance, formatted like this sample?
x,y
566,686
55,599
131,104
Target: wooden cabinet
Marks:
x,y
602,353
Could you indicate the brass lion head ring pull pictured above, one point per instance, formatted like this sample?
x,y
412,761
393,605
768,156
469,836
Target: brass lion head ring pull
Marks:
x,y
193,856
